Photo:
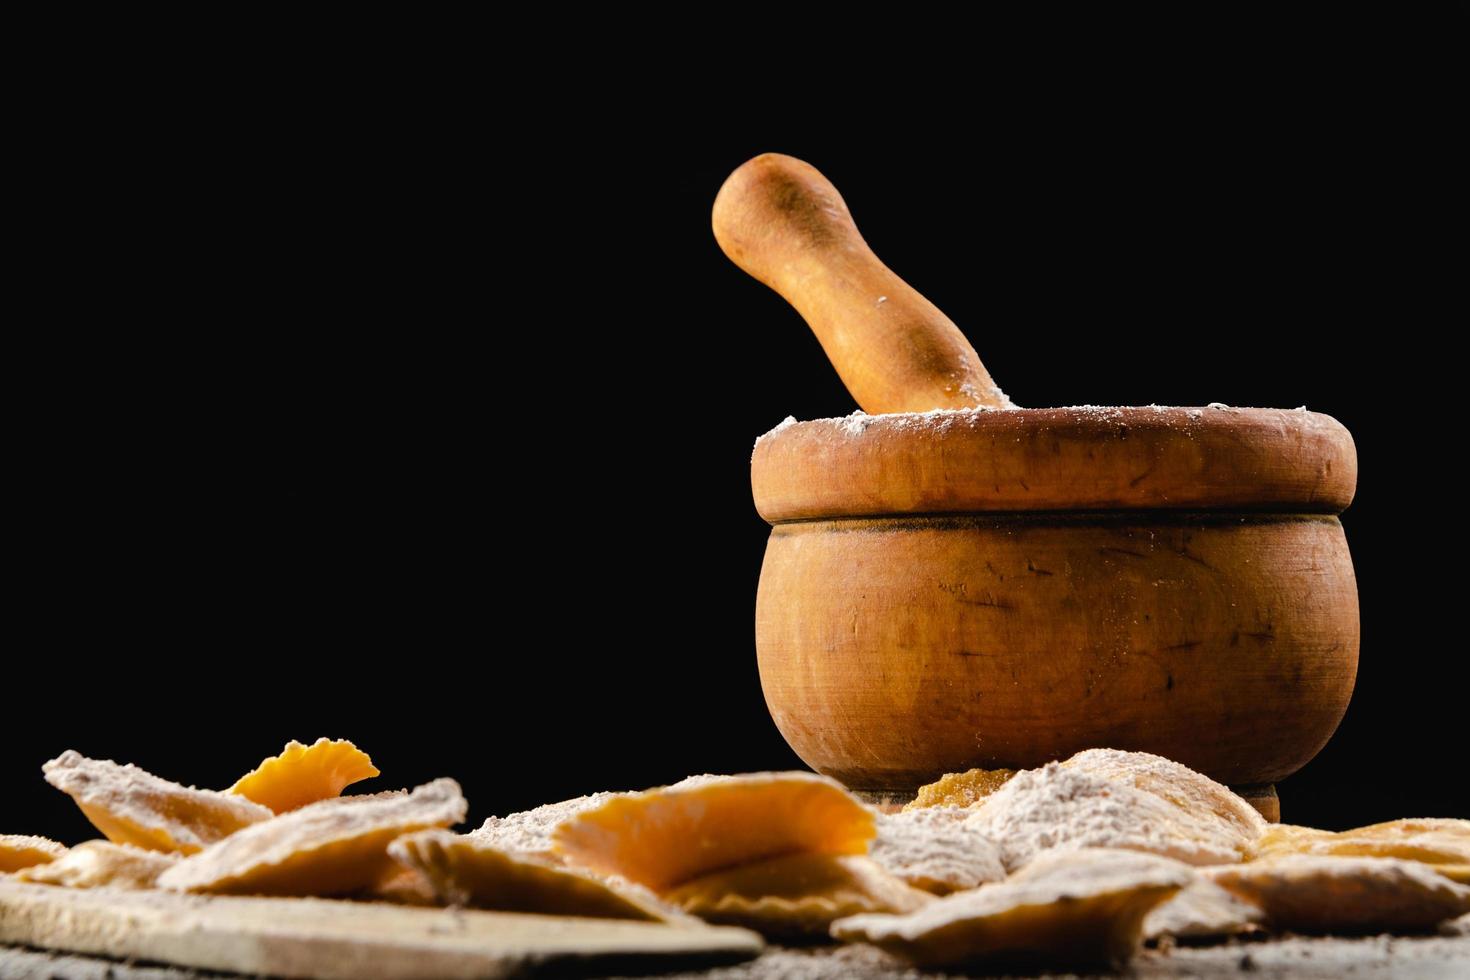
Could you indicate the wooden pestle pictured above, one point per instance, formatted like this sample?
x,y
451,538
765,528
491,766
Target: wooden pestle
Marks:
x,y
784,223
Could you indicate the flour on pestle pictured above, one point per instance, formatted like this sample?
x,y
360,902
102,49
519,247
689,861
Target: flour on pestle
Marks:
x,y
942,419
857,423
781,426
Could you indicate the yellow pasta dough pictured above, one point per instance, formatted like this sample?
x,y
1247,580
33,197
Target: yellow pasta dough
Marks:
x,y
664,837
304,774
131,806
1432,840
1079,908
1192,793
1284,838
464,871
960,788
335,847
1443,843
19,851
1328,893
796,895
103,864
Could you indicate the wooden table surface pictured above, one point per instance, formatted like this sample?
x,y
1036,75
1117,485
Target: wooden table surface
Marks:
x,y
1369,958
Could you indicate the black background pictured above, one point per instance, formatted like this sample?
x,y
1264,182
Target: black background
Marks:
x,y
425,420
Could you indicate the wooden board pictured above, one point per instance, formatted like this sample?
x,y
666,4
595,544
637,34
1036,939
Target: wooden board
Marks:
x,y
318,939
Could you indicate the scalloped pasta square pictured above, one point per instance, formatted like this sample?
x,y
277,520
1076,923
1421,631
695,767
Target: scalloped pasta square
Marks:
x,y
334,847
1454,872
796,895
19,851
1192,792
963,789
464,871
131,806
1327,893
1443,843
664,837
1079,908
1281,839
304,774
1060,807
103,864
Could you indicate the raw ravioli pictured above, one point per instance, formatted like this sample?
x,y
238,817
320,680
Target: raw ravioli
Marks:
x,y
131,806
796,895
1323,893
335,847
1068,808
103,864
19,851
304,774
464,871
664,837
1081,908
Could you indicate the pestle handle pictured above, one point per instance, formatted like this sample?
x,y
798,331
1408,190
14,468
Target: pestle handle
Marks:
x,y
784,223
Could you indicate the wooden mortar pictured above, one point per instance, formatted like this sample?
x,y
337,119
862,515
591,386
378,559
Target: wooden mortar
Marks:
x,y
1000,587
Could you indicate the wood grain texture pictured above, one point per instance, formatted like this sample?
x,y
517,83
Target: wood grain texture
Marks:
x,y
330,940
1064,459
892,651
784,223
